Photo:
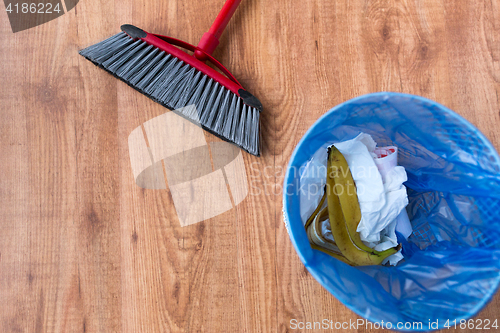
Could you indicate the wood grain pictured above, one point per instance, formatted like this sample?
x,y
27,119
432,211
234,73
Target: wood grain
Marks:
x,y
84,249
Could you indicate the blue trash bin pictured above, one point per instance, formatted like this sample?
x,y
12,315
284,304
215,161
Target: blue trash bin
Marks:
x,y
452,259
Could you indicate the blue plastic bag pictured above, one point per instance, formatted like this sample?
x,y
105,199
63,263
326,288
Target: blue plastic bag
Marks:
x,y
452,259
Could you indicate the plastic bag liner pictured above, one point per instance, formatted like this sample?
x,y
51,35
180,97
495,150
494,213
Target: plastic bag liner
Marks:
x,y
452,260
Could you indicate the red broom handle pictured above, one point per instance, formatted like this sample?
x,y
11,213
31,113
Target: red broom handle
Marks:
x,y
223,18
210,39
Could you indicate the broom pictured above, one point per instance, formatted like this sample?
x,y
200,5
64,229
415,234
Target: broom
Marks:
x,y
155,66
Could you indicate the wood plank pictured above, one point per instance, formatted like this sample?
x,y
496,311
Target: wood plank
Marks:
x,y
177,279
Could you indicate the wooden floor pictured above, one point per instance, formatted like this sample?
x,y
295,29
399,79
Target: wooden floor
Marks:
x,y
84,249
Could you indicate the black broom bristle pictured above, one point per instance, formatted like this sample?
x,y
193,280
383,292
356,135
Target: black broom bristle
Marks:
x,y
176,85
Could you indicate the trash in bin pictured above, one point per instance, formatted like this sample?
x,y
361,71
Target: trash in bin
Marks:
x,y
451,265
377,194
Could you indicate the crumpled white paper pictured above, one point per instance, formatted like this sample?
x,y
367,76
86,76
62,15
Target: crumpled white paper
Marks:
x,y
381,199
